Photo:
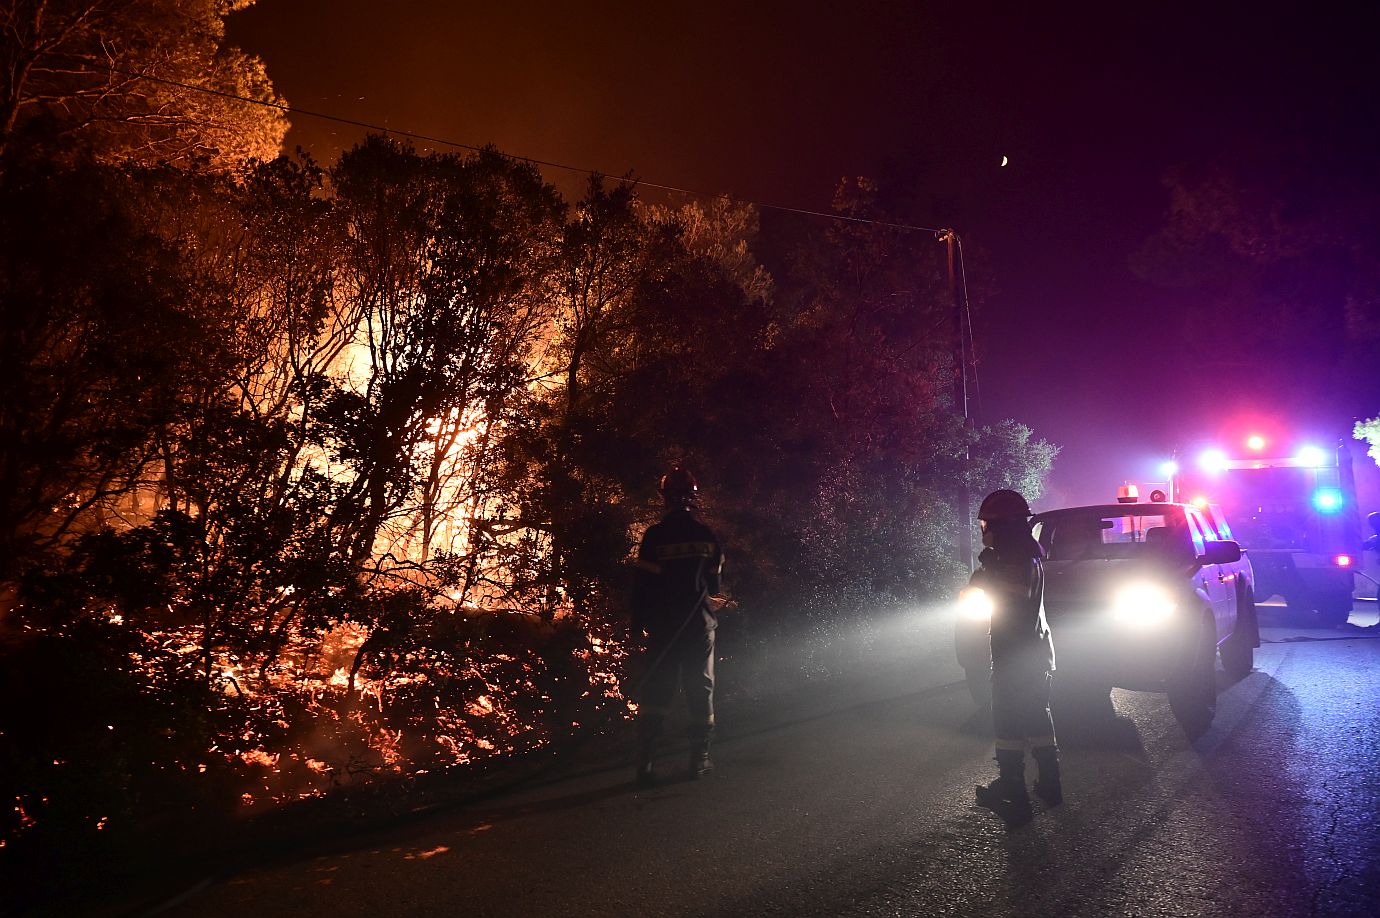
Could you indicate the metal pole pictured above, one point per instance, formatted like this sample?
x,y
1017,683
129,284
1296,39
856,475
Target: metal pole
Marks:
x,y
963,502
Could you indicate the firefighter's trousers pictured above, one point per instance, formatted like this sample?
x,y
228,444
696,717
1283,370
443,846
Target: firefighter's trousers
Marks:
x,y
1020,707
689,662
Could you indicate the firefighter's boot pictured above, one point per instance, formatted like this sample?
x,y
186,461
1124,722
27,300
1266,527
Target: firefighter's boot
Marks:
x,y
1007,796
1048,787
700,763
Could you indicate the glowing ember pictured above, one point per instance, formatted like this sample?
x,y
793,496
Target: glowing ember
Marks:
x,y
424,855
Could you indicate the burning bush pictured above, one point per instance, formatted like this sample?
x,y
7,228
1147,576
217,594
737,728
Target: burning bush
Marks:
x,y
131,721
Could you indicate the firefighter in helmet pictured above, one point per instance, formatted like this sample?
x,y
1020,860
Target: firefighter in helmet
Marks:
x,y
678,567
1012,576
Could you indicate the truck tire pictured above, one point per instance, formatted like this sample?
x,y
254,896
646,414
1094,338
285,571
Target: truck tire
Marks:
x,y
1238,651
1238,656
1193,690
1251,609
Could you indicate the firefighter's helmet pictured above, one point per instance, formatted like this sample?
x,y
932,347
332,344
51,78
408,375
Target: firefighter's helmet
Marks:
x,y
679,486
1003,504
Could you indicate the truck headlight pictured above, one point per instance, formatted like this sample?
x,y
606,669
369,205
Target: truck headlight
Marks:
x,y
975,604
1143,604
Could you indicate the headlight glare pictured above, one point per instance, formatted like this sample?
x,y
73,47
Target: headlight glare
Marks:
x,y
1143,604
975,604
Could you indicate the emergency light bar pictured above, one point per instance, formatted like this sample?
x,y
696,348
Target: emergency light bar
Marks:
x,y
1312,456
1222,463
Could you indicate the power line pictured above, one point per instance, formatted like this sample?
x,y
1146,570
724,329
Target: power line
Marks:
x,y
425,138
968,314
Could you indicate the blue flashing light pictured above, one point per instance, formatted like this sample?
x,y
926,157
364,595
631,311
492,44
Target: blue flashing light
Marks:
x,y
1327,500
1169,468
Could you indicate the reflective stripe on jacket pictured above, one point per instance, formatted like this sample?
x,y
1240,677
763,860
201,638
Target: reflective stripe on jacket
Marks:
x,y
678,567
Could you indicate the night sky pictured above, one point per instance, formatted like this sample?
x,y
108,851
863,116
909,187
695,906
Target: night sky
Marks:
x,y
775,102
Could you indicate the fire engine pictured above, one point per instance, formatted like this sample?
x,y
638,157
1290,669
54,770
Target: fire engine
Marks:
x,y
1293,511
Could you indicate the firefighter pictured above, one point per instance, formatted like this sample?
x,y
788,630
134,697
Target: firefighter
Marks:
x,y
678,568
1012,576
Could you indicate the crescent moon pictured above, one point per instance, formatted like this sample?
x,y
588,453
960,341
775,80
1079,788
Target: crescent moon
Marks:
x,y
1004,160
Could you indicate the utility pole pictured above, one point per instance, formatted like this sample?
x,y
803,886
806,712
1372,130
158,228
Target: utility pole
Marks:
x,y
963,501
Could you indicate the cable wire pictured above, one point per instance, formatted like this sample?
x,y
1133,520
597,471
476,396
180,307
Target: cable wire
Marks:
x,y
968,316
425,138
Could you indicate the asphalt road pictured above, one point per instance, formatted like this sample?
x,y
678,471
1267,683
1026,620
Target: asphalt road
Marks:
x,y
857,800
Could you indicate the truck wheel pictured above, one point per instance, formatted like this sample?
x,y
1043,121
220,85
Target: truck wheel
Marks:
x,y
979,685
1249,607
1238,656
1333,608
1238,651
1193,691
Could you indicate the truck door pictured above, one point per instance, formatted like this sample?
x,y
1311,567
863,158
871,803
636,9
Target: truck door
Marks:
x,y
1217,580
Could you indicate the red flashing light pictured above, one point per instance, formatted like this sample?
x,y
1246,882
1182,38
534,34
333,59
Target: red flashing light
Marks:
x,y
1200,502
1343,560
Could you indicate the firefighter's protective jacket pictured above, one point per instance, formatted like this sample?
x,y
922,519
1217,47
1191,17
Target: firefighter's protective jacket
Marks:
x,y
678,567
1015,582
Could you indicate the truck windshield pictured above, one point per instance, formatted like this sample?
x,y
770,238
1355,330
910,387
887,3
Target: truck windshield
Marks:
x,y
1108,533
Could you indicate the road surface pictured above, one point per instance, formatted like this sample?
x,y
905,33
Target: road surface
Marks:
x,y
857,800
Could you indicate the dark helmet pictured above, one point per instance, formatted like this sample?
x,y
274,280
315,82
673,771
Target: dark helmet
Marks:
x,y
679,486
1003,504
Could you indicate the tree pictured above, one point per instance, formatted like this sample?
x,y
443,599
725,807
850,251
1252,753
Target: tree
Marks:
x,y
84,284
724,232
125,79
1369,432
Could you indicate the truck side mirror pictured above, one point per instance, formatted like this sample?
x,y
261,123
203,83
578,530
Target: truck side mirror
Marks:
x,y
1223,552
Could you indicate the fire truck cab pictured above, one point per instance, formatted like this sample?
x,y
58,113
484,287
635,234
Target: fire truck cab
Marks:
x,y
1295,515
